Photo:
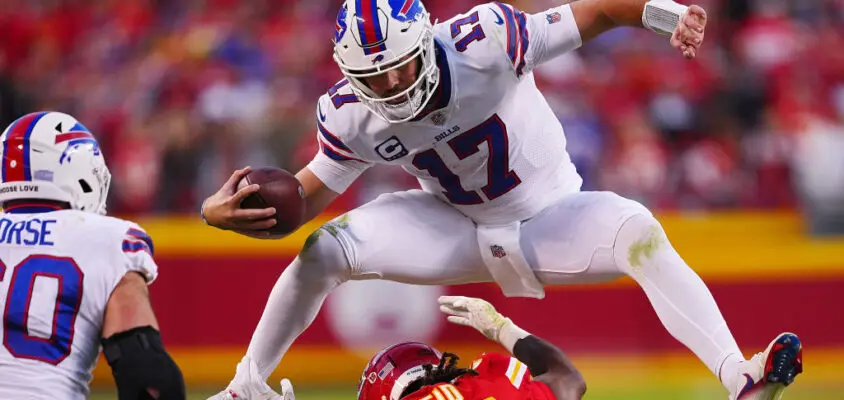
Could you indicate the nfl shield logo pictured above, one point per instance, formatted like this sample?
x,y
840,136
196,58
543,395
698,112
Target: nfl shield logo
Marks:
x,y
438,118
497,251
553,17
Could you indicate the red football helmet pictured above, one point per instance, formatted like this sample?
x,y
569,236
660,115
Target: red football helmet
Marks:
x,y
393,368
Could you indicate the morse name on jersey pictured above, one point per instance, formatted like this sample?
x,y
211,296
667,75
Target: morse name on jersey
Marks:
x,y
30,232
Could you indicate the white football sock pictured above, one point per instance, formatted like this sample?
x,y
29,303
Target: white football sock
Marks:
x,y
295,300
678,295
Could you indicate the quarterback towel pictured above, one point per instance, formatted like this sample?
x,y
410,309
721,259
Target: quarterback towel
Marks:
x,y
503,256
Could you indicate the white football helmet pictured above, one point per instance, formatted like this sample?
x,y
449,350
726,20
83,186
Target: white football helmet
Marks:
x,y
51,156
375,36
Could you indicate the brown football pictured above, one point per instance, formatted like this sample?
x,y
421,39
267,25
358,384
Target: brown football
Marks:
x,y
279,189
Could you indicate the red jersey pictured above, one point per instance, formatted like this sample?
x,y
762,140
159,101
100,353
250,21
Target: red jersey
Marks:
x,y
499,377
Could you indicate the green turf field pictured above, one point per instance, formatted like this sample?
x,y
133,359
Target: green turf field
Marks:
x,y
797,392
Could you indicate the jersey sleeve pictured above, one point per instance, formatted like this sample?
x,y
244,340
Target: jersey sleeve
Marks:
x,y
335,164
528,40
498,373
493,365
138,250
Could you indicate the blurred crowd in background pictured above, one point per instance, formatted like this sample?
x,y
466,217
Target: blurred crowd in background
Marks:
x,y
182,92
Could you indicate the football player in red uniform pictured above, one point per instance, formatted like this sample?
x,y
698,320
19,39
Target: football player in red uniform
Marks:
x,y
417,371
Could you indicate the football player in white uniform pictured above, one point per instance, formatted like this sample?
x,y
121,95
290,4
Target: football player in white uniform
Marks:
x,y
455,104
72,278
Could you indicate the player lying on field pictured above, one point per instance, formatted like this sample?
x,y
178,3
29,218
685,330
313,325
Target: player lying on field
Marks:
x,y
456,105
71,278
416,371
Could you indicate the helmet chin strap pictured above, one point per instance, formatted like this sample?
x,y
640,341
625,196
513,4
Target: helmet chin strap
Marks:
x,y
405,379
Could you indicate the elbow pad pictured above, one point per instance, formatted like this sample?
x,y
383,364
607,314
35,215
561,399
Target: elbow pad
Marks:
x,y
531,351
141,367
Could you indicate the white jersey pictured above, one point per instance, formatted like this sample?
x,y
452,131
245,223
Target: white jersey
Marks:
x,y
58,270
492,147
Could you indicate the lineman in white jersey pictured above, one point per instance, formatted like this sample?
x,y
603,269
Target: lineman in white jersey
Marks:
x,y
456,105
72,278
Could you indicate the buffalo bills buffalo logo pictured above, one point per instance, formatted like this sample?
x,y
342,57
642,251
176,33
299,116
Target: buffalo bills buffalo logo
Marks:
x,y
74,139
406,10
340,25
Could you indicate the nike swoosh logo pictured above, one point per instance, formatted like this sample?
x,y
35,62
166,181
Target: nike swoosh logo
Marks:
x,y
500,20
319,110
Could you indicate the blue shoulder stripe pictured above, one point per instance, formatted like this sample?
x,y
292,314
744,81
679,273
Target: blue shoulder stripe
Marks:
x,y
331,138
512,34
137,240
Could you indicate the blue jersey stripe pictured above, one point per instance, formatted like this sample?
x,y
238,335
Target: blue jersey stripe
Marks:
x,y
525,39
334,140
137,234
328,151
134,247
512,35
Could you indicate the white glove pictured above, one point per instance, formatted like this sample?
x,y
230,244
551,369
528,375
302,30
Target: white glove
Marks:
x,y
481,315
477,313
248,384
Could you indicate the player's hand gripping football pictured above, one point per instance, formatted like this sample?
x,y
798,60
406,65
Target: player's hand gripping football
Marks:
x,y
477,313
689,33
222,209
